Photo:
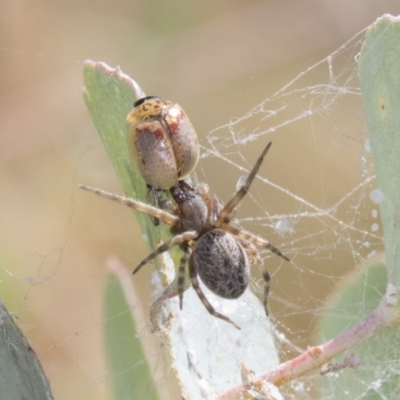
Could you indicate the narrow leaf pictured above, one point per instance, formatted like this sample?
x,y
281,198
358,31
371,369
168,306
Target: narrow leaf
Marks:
x,y
379,73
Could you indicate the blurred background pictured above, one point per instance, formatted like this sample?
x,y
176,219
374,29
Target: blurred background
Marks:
x,y
218,60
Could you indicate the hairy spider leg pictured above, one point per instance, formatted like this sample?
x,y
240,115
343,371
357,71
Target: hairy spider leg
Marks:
x,y
187,252
225,213
168,218
267,280
253,238
203,298
252,250
184,237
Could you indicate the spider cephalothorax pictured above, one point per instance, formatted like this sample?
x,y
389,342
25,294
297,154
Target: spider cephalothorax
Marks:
x,y
212,248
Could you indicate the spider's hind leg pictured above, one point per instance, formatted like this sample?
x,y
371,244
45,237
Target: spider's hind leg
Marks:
x,y
203,298
267,280
181,272
255,257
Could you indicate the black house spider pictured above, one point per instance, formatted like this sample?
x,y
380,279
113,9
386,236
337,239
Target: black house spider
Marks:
x,y
213,249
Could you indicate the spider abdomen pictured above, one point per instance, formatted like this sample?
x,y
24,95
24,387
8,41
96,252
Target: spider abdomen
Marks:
x,y
221,263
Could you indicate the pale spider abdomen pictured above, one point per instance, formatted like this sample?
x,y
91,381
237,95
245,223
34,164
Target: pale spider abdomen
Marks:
x,y
222,264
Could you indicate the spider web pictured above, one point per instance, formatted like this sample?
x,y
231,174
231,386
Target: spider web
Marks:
x,y
314,198
324,216
317,204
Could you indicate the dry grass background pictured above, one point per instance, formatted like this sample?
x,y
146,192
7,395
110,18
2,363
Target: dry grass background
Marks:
x,y
216,58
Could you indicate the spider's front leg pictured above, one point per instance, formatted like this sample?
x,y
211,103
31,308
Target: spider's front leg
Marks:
x,y
226,214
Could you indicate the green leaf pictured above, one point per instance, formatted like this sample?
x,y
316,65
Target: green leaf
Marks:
x,y
130,376
202,348
378,374
21,374
109,96
379,73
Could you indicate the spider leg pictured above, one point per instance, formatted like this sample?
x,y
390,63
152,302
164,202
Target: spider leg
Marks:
x,y
253,239
186,236
181,272
251,249
224,214
203,298
267,280
168,218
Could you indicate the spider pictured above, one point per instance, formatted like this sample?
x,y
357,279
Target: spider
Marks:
x,y
212,248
